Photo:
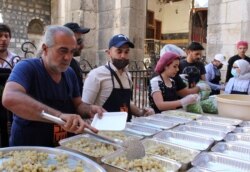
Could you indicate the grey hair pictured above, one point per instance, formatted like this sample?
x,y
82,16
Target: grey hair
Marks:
x,y
48,37
50,32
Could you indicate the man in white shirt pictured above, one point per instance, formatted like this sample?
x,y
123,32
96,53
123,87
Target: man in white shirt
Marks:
x,y
110,86
213,75
6,57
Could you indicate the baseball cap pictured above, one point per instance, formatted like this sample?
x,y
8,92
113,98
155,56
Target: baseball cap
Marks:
x,y
76,28
119,40
221,58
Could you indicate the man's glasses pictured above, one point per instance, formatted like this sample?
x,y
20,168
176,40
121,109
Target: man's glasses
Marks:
x,y
79,41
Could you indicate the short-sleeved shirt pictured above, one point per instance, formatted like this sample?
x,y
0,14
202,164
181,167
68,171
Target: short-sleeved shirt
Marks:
x,y
98,84
194,71
10,61
158,85
32,75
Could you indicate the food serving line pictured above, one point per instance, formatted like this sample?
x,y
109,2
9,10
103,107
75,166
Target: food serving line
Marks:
x,y
173,141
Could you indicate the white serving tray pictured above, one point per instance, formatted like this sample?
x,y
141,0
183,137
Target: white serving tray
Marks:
x,y
111,121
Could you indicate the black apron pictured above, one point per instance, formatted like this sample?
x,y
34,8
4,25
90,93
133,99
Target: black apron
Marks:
x,y
216,81
168,94
119,99
34,133
240,92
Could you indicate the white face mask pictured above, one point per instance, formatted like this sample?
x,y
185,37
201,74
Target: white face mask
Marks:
x,y
234,72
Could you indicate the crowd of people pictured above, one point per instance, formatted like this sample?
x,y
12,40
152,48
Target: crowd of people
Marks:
x,y
52,83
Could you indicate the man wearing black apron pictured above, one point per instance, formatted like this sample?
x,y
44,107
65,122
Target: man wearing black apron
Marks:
x,y
213,75
46,84
110,86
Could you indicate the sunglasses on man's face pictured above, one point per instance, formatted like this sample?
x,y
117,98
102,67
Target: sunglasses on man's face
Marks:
x,y
79,41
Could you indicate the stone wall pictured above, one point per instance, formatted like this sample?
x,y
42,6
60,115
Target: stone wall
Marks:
x,y
121,16
19,13
228,22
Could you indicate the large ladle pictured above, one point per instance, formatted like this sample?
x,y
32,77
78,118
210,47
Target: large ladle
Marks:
x,y
134,148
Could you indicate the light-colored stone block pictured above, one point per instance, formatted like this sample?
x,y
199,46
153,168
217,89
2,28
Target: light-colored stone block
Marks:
x,y
234,11
217,14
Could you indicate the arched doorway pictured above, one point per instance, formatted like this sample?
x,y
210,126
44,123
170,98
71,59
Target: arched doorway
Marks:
x,y
35,31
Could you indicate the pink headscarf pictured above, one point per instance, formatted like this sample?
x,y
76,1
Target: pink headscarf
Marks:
x,y
165,60
242,43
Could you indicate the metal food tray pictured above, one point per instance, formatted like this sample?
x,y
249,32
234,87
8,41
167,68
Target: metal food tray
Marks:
x,y
73,158
172,166
227,121
112,135
245,130
199,131
178,150
212,125
154,123
245,124
63,146
186,140
238,138
218,162
232,150
174,119
198,169
141,130
181,113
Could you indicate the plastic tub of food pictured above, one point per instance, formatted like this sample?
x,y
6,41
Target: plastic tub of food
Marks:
x,y
234,106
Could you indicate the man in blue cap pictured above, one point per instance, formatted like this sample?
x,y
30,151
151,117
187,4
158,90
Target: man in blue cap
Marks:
x,y
110,86
78,31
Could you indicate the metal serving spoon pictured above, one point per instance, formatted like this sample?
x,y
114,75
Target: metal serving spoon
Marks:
x,y
134,148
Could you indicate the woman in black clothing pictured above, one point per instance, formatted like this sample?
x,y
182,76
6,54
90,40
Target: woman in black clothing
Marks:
x,y
162,89
242,47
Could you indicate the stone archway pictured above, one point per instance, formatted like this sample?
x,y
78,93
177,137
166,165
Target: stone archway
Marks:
x,y
35,31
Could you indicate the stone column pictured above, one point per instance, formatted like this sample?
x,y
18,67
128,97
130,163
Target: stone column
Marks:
x,y
228,22
121,16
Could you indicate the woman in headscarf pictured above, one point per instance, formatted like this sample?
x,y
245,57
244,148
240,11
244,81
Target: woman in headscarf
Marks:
x,y
162,89
240,83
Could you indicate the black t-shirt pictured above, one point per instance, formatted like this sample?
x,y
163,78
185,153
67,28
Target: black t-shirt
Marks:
x,y
230,65
76,67
193,70
179,83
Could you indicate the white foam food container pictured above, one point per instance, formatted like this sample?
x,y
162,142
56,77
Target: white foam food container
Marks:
x,y
111,121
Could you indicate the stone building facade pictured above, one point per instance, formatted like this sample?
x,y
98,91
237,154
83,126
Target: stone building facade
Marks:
x,y
228,23
104,18
27,19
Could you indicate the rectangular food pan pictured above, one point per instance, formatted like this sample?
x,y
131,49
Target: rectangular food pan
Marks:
x,y
154,123
181,113
174,119
186,140
232,150
117,162
199,131
227,121
245,130
212,125
89,146
119,135
178,153
218,162
141,130
238,138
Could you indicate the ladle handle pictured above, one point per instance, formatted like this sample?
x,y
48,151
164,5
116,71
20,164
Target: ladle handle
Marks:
x,y
59,121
